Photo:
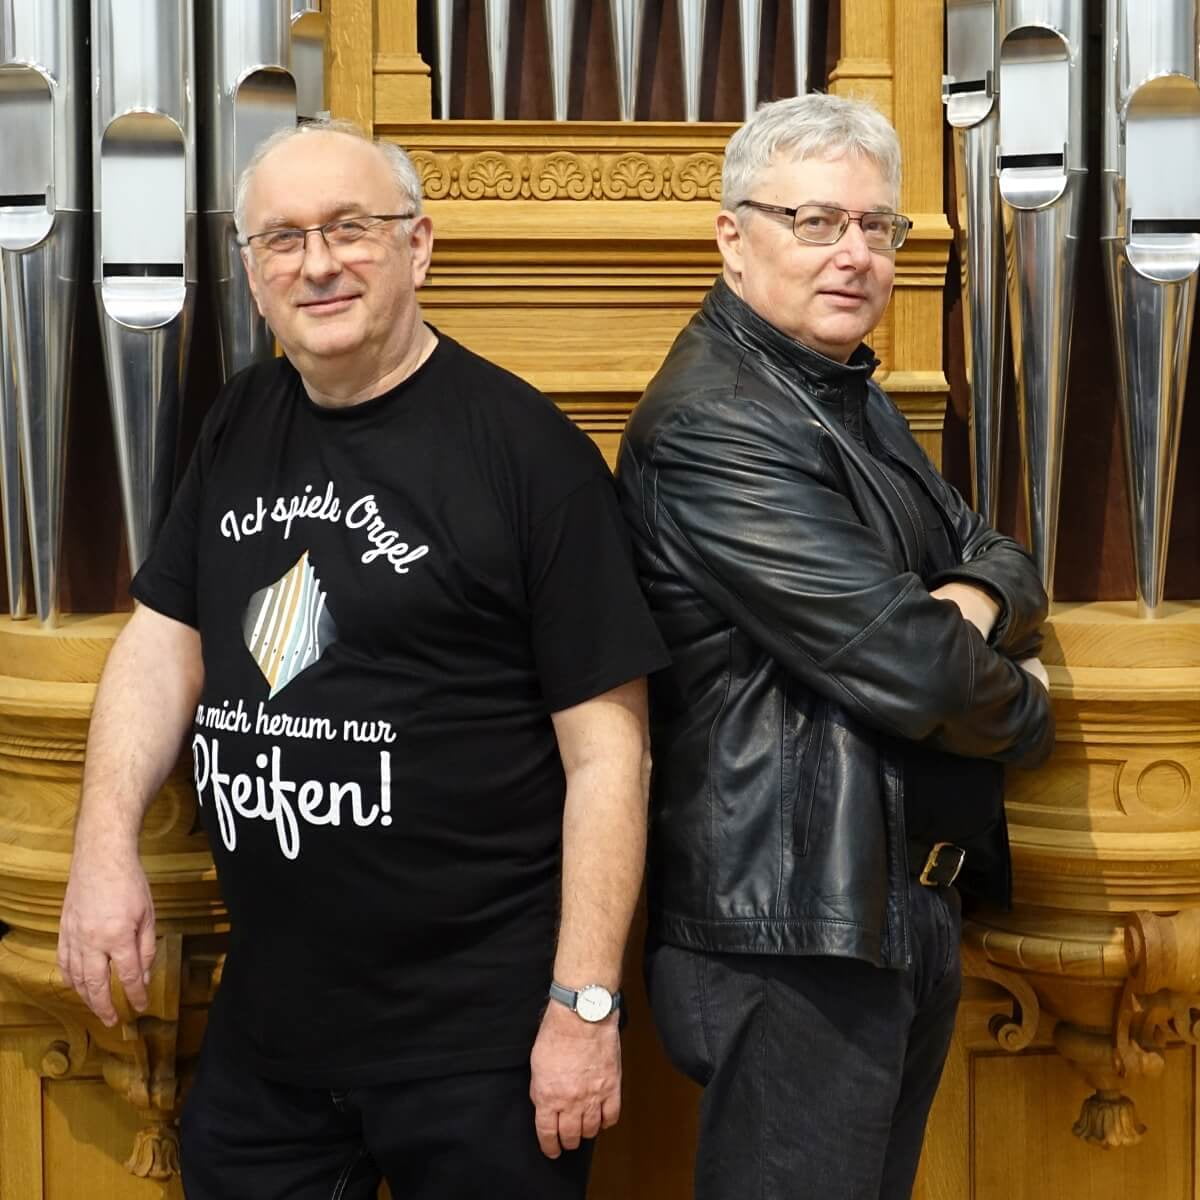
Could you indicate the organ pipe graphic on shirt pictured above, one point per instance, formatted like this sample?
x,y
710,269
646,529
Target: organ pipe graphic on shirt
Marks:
x,y
1042,171
973,111
249,95
287,626
43,207
1151,246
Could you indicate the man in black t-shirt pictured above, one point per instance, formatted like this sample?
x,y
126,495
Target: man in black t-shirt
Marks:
x,y
394,607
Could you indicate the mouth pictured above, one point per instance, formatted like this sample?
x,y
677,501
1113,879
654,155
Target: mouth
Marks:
x,y
838,298
326,305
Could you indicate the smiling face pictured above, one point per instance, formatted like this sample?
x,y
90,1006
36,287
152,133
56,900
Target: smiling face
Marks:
x,y
826,297
328,306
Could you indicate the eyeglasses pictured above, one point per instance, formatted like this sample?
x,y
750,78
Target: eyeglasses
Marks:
x,y
824,224
345,231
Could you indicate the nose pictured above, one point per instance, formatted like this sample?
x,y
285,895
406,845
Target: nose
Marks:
x,y
853,249
320,263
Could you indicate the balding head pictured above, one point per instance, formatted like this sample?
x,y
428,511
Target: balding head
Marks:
x,y
398,165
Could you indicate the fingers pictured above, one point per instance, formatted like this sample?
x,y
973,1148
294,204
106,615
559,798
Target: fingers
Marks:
x,y
127,963
96,992
570,1130
146,945
559,1131
87,969
591,1121
545,1124
63,957
107,928
134,973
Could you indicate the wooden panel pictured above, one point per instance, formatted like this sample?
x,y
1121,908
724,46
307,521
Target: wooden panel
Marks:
x,y
916,107
87,1133
1024,1150
21,1126
351,61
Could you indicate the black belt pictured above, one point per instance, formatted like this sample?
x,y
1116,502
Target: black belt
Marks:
x,y
935,864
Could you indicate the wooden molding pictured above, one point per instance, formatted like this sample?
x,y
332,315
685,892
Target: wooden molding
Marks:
x,y
565,175
1106,855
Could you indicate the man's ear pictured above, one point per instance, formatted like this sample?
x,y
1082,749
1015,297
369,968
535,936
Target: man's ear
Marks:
x,y
420,245
247,263
729,242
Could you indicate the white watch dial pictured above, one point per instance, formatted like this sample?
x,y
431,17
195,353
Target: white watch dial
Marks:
x,y
593,1003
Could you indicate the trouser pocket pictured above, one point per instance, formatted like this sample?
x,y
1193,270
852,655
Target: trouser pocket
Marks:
x,y
675,985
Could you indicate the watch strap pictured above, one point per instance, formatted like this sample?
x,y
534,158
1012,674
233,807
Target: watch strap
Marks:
x,y
568,996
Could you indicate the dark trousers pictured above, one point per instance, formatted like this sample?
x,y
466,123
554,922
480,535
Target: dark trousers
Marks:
x,y
461,1137
818,1072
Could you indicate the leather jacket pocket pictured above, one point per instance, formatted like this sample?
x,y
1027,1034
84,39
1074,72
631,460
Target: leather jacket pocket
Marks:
x,y
802,735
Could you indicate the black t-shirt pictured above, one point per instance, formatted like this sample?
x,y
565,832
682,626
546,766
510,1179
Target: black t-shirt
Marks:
x,y
392,599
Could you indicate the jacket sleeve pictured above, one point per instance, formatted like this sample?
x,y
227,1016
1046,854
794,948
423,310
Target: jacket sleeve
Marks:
x,y
763,533
1004,568
990,560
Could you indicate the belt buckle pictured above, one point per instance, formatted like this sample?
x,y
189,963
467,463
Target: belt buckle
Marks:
x,y
934,872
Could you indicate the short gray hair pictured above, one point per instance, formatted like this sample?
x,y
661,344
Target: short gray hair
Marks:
x,y
400,165
812,126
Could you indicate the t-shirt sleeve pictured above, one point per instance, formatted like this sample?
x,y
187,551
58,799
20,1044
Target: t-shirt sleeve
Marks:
x,y
591,627
166,581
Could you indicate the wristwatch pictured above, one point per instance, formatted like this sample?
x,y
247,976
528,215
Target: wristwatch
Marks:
x,y
591,1003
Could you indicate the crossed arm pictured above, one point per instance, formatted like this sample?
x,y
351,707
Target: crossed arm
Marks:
x,y
768,536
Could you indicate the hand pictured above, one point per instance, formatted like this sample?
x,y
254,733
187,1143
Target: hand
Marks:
x,y
107,917
976,604
1036,668
575,1082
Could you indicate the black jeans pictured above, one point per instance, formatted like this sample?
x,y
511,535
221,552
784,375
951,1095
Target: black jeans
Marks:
x,y
818,1072
460,1137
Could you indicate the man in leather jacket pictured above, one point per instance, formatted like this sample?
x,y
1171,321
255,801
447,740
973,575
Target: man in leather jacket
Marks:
x,y
853,664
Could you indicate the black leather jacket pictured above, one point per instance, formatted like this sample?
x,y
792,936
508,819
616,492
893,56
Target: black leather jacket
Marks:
x,y
782,566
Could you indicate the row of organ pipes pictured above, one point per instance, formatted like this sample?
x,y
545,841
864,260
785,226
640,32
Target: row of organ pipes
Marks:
x,y
99,120
627,21
102,117
1014,92
104,110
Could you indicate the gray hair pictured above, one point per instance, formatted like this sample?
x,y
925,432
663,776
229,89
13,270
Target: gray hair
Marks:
x,y
812,126
400,165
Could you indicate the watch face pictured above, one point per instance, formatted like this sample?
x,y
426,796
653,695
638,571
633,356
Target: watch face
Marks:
x,y
594,1003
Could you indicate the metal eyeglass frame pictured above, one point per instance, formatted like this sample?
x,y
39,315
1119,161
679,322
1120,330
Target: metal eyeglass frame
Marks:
x,y
323,230
903,224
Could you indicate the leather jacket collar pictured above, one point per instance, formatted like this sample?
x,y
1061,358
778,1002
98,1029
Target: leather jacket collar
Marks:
x,y
825,379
